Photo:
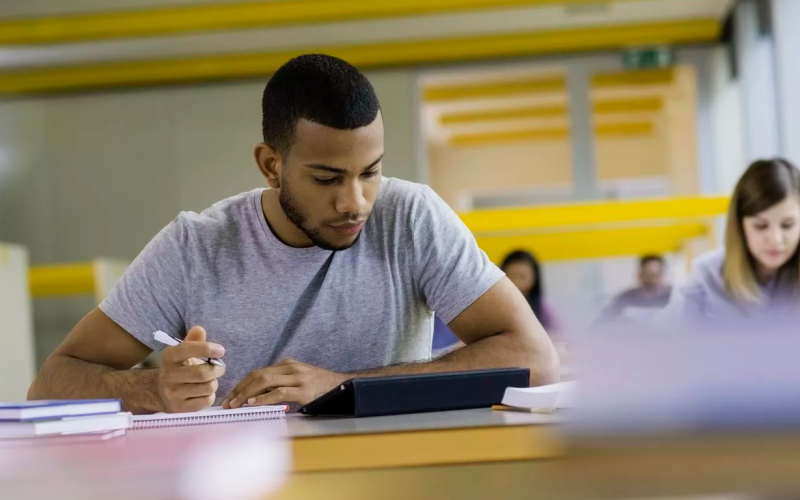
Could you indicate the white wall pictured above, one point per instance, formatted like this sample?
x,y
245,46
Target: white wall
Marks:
x,y
399,93
728,124
25,182
758,87
97,175
786,16
16,328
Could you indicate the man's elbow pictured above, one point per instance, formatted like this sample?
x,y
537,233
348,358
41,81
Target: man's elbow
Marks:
x,y
542,359
546,370
38,389
33,390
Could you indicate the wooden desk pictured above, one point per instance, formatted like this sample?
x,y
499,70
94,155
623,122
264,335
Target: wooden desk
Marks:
x,y
481,454
767,465
467,454
763,466
457,437
525,480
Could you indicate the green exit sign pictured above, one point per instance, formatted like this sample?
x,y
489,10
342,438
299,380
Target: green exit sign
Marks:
x,y
648,58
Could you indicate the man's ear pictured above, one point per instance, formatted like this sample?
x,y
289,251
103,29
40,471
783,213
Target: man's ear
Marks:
x,y
270,163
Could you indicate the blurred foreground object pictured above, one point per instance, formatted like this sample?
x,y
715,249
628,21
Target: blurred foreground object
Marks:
x,y
234,462
735,376
686,412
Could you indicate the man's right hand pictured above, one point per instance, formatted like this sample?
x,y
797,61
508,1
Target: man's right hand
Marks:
x,y
185,383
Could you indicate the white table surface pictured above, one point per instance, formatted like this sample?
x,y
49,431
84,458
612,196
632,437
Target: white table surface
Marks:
x,y
299,426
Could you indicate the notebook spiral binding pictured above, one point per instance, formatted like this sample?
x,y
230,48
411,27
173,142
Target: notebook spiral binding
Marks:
x,y
207,419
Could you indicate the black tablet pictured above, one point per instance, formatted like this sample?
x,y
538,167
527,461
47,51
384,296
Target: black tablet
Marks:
x,y
375,396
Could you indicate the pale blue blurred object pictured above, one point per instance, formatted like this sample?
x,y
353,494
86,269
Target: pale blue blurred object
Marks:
x,y
734,376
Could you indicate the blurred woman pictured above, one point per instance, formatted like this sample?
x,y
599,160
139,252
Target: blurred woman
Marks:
x,y
757,274
524,271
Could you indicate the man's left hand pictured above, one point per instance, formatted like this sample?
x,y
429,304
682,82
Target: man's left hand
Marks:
x,y
289,381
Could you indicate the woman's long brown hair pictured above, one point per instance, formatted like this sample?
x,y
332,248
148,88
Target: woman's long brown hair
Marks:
x,y
765,184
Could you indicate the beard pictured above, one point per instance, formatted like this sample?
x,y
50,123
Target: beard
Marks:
x,y
296,215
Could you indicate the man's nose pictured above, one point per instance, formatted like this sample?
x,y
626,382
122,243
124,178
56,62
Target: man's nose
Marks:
x,y
350,198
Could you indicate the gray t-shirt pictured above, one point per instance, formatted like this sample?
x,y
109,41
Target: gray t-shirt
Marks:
x,y
365,307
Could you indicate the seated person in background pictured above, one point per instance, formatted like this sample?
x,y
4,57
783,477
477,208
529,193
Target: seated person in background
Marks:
x,y
330,274
651,295
757,274
524,271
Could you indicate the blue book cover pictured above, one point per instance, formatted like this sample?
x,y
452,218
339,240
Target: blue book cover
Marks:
x,y
52,409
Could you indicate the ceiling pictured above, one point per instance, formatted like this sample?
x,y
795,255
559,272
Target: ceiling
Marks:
x,y
434,22
528,19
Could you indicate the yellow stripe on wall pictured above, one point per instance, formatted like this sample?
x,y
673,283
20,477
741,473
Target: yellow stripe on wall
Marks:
x,y
645,77
229,16
510,136
632,129
62,279
638,128
638,105
520,113
522,86
581,214
233,66
596,244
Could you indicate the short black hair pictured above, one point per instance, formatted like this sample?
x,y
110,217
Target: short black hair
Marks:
x,y
645,259
316,87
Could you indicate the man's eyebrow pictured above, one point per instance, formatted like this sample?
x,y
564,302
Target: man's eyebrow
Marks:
x,y
326,168
335,170
374,162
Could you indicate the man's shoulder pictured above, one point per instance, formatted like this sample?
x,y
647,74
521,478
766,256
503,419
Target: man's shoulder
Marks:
x,y
221,214
399,197
222,222
396,189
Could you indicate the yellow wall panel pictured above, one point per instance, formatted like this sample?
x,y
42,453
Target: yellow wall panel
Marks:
x,y
594,244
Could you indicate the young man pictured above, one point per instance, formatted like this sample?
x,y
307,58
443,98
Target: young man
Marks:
x,y
649,296
332,273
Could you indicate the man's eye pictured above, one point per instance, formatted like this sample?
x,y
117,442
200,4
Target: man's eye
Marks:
x,y
761,227
325,182
370,175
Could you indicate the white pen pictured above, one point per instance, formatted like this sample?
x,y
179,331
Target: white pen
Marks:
x,y
171,341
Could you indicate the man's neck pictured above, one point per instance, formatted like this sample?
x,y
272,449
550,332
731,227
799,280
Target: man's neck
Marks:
x,y
283,228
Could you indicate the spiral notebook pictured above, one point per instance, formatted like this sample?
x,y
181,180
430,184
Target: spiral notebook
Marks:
x,y
213,415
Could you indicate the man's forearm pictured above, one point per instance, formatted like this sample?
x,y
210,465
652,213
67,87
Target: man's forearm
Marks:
x,y
64,377
498,351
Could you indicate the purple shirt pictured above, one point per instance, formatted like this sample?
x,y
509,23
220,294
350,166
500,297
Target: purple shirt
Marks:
x,y
704,298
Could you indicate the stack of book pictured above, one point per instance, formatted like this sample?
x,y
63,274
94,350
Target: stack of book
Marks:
x,y
542,399
101,419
